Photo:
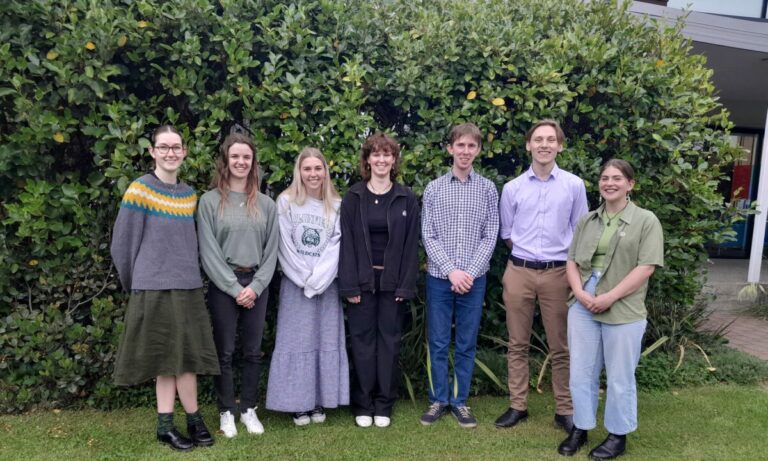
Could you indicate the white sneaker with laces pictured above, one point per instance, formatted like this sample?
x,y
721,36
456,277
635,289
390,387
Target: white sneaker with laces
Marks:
x,y
227,424
301,418
381,421
251,421
363,421
317,415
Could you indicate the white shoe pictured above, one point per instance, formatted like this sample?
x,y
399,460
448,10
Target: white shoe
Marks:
x,y
317,415
381,421
301,418
227,424
251,421
363,421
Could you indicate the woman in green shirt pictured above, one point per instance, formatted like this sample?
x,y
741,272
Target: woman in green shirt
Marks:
x,y
615,250
237,228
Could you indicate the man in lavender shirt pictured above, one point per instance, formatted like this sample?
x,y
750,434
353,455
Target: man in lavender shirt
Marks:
x,y
539,210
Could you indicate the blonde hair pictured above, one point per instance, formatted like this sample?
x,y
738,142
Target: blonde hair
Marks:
x,y
221,178
297,193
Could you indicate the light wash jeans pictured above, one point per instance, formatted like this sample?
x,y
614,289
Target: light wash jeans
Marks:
x,y
592,345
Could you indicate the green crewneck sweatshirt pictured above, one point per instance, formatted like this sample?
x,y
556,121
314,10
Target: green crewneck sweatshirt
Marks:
x,y
233,238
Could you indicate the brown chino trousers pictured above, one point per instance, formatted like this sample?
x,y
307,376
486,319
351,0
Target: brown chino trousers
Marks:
x,y
521,289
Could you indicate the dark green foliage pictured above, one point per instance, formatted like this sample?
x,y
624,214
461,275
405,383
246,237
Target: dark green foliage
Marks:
x,y
83,82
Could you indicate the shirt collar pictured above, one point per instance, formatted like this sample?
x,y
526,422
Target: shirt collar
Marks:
x,y
626,215
552,174
470,176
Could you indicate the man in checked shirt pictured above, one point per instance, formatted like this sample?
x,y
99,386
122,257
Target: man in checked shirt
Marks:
x,y
460,221
539,210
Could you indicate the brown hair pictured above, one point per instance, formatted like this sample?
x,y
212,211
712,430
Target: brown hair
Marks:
x,y
621,165
465,129
221,177
546,122
383,142
166,129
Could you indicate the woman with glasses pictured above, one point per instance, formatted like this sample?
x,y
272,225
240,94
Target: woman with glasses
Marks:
x,y
615,250
167,334
238,232
377,275
309,369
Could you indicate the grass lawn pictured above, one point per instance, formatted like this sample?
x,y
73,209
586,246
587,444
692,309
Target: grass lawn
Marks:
x,y
705,423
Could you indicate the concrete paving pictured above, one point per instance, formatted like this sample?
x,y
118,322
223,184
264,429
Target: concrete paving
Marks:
x,y
727,277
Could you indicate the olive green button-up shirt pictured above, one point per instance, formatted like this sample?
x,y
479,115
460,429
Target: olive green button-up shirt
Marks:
x,y
638,241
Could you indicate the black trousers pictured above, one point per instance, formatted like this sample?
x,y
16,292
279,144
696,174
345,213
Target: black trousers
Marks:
x,y
375,329
226,317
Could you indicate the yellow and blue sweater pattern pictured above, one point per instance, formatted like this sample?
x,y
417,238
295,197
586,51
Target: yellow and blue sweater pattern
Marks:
x,y
146,198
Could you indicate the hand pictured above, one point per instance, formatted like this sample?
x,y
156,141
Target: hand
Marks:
x,y
602,303
461,282
354,299
585,298
246,298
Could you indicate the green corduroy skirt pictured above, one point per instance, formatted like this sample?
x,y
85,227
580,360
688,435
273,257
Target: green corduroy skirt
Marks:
x,y
167,332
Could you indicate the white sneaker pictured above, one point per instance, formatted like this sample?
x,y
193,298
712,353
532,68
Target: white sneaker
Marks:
x,y
301,418
251,421
227,424
317,415
381,421
363,421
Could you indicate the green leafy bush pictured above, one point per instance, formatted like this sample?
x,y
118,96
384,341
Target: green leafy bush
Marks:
x,y
82,83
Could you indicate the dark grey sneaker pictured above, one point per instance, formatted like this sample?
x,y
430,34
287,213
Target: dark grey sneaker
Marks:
x,y
464,416
435,411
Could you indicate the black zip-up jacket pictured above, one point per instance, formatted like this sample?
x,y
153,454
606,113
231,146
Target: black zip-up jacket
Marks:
x,y
401,256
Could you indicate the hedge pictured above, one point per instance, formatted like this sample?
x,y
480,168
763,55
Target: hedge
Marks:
x,y
83,82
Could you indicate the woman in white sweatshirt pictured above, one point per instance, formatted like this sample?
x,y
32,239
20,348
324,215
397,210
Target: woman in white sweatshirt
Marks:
x,y
309,370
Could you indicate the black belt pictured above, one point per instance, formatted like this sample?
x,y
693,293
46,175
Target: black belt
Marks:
x,y
537,265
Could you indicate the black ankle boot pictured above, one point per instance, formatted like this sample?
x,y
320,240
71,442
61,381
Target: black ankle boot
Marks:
x,y
575,440
613,446
199,434
175,440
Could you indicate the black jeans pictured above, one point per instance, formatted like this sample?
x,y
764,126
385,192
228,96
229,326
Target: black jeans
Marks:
x,y
375,328
226,316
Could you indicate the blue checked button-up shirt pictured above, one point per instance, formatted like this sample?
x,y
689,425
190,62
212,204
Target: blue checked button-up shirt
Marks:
x,y
460,222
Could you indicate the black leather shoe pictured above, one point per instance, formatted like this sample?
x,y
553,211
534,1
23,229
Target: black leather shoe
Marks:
x,y
200,435
175,440
613,446
511,417
576,439
565,422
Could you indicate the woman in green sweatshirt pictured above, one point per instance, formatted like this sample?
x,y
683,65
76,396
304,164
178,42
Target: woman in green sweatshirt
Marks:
x,y
237,228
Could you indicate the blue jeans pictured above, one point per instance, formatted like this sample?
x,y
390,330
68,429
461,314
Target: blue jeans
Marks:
x,y
592,345
441,302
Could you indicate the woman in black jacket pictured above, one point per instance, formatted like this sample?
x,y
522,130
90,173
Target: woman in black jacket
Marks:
x,y
378,266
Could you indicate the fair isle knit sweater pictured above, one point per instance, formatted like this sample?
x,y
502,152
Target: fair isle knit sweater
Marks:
x,y
154,243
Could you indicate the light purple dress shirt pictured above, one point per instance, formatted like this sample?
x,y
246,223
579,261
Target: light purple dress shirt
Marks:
x,y
540,216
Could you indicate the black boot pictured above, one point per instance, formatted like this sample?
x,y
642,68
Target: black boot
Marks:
x,y
199,434
575,440
175,440
613,446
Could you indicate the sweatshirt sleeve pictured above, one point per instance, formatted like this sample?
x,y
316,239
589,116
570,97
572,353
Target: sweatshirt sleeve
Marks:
x,y
328,266
126,240
214,263
266,269
292,264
